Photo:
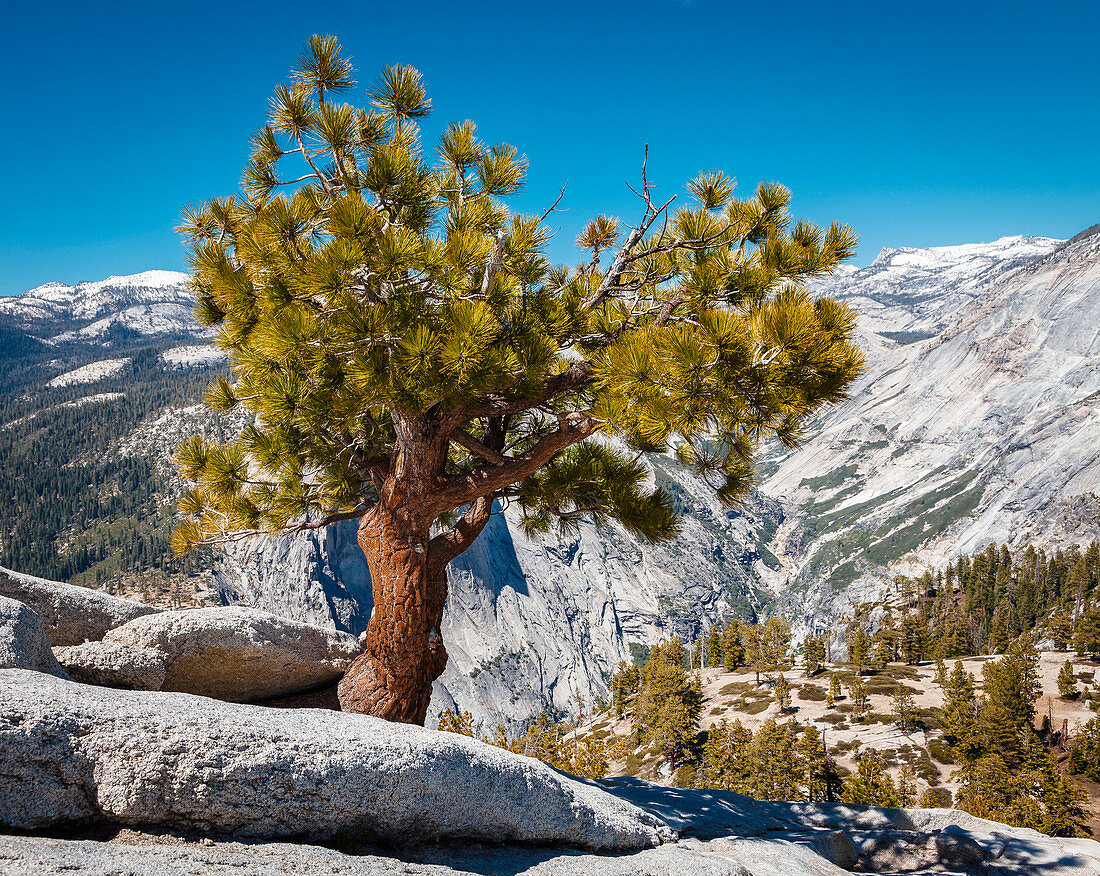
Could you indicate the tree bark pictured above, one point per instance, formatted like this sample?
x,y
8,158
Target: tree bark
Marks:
x,y
403,652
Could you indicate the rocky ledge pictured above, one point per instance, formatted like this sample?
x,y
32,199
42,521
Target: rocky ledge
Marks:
x,y
172,783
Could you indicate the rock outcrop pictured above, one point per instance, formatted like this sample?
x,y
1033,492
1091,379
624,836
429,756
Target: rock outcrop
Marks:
x,y
23,642
71,615
724,835
110,664
238,654
75,754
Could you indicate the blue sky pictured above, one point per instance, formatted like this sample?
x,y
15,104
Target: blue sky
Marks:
x,y
919,124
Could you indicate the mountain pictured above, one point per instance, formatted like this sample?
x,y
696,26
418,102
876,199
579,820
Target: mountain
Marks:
x,y
150,304
975,422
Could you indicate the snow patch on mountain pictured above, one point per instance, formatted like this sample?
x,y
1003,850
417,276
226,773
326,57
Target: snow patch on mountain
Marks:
x,y
98,398
91,373
906,293
194,356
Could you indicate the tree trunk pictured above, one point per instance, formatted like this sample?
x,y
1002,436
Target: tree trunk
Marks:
x,y
403,651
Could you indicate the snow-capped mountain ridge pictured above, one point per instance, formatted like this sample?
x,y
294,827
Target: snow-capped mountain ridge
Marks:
x,y
151,303
910,291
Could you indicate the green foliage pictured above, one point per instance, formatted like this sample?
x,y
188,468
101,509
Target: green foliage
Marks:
x,y
960,706
1006,772
624,685
1067,681
668,701
871,784
1086,638
813,654
858,692
552,743
1084,751
935,798
906,715
782,693
389,318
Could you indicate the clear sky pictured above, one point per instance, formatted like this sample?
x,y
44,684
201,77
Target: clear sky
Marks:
x,y
918,123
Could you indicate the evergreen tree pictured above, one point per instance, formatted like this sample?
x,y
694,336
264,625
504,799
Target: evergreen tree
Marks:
x,y
774,764
669,701
1011,686
624,685
883,651
813,654
409,358
782,693
733,649
756,653
906,715
871,785
960,705
1067,681
1086,638
914,638
858,691
1084,751
714,648
833,693
726,764
859,644
1060,629
776,641
820,780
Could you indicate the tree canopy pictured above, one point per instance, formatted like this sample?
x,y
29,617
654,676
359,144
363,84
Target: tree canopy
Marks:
x,y
375,287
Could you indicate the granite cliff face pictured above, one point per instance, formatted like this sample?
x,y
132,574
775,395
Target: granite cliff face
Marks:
x,y
978,423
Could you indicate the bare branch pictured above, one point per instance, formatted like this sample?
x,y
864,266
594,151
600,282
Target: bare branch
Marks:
x,y
470,443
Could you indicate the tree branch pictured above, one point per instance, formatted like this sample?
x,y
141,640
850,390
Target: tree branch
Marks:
x,y
459,490
447,545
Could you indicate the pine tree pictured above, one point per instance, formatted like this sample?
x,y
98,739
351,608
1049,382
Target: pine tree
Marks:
x,y
1086,637
774,763
960,705
1067,681
726,757
883,651
669,701
859,644
410,359
624,685
755,649
871,785
733,648
906,715
776,638
858,691
813,654
714,648
782,693
820,780
833,693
